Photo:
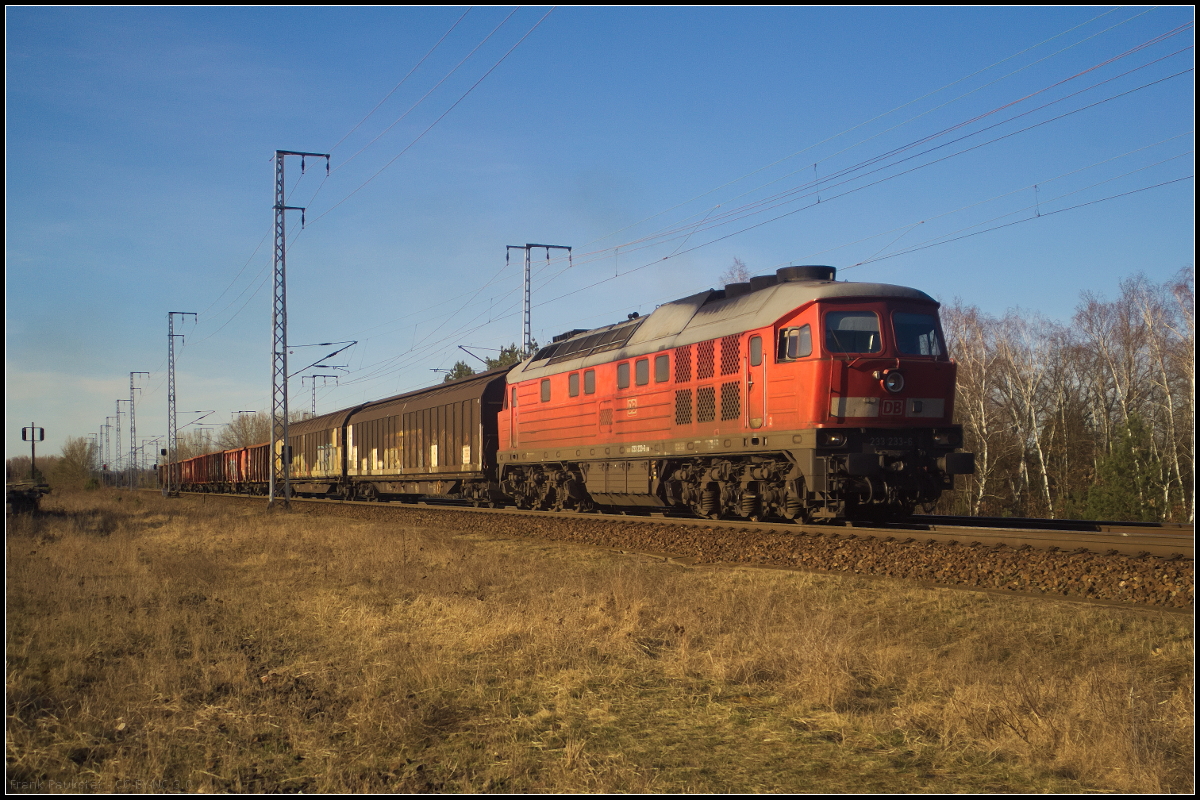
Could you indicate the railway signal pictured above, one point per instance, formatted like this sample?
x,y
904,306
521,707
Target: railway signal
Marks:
x,y
33,435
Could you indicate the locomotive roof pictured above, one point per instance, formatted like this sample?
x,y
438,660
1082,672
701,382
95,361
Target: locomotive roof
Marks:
x,y
699,318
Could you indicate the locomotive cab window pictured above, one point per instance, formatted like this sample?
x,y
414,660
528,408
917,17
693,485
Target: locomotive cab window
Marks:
x,y
623,375
641,371
795,343
852,332
513,403
589,381
545,390
918,334
573,384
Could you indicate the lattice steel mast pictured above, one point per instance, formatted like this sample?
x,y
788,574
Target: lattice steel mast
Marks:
x,y
526,325
104,468
170,489
118,466
133,463
280,462
313,378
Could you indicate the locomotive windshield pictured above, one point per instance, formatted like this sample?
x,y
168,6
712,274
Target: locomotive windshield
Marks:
x,y
917,334
852,332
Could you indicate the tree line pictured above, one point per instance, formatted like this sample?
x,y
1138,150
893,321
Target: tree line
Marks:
x,y
1093,418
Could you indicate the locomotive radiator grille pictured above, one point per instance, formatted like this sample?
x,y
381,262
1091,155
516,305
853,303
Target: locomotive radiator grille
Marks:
x,y
683,366
683,406
704,359
731,400
729,357
706,404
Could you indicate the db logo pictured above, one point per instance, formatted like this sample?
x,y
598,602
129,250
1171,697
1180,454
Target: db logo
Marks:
x,y
892,408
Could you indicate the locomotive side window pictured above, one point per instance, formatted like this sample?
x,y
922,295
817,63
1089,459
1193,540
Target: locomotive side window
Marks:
x,y
852,332
573,384
545,390
641,371
623,375
755,350
795,343
917,334
513,404
662,368
589,381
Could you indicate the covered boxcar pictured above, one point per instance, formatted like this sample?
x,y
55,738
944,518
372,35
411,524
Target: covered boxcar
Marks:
x,y
439,441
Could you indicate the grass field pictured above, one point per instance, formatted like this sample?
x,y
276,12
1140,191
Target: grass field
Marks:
x,y
179,645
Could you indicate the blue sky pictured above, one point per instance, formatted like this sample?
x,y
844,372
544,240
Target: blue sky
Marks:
x,y
659,143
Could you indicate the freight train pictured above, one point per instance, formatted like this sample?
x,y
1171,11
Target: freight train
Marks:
x,y
793,396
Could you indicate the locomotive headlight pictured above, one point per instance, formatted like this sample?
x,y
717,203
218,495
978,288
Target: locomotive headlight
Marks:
x,y
833,438
946,438
893,381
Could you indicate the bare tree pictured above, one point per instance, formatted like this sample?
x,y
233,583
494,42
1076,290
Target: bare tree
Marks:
x,y
245,430
1182,361
74,467
1024,355
20,468
969,337
737,272
192,443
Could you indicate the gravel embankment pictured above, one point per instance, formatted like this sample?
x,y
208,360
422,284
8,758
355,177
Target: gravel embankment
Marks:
x,y
1127,579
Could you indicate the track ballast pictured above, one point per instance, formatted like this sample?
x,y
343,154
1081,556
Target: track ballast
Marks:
x,y
1066,564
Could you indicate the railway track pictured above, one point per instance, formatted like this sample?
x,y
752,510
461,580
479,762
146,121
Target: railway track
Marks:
x,y
1146,565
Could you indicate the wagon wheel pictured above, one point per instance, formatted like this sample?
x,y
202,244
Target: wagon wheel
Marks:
x,y
368,493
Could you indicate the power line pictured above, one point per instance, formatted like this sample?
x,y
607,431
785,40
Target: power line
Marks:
x,y
445,78
420,136
402,80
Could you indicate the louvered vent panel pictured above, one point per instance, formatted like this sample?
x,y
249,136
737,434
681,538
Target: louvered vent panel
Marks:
x,y
683,364
731,400
704,359
683,406
729,355
706,404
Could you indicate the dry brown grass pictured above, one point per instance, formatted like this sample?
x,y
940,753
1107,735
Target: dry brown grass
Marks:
x,y
157,645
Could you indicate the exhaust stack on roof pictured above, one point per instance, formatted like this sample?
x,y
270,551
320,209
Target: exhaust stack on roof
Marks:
x,y
810,272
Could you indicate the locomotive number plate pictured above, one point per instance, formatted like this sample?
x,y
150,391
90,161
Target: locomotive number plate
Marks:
x,y
891,441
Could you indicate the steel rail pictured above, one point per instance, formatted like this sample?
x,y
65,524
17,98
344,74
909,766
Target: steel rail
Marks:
x,y
1032,523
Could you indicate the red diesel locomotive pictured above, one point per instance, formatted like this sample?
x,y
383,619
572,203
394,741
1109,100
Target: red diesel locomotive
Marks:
x,y
793,396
